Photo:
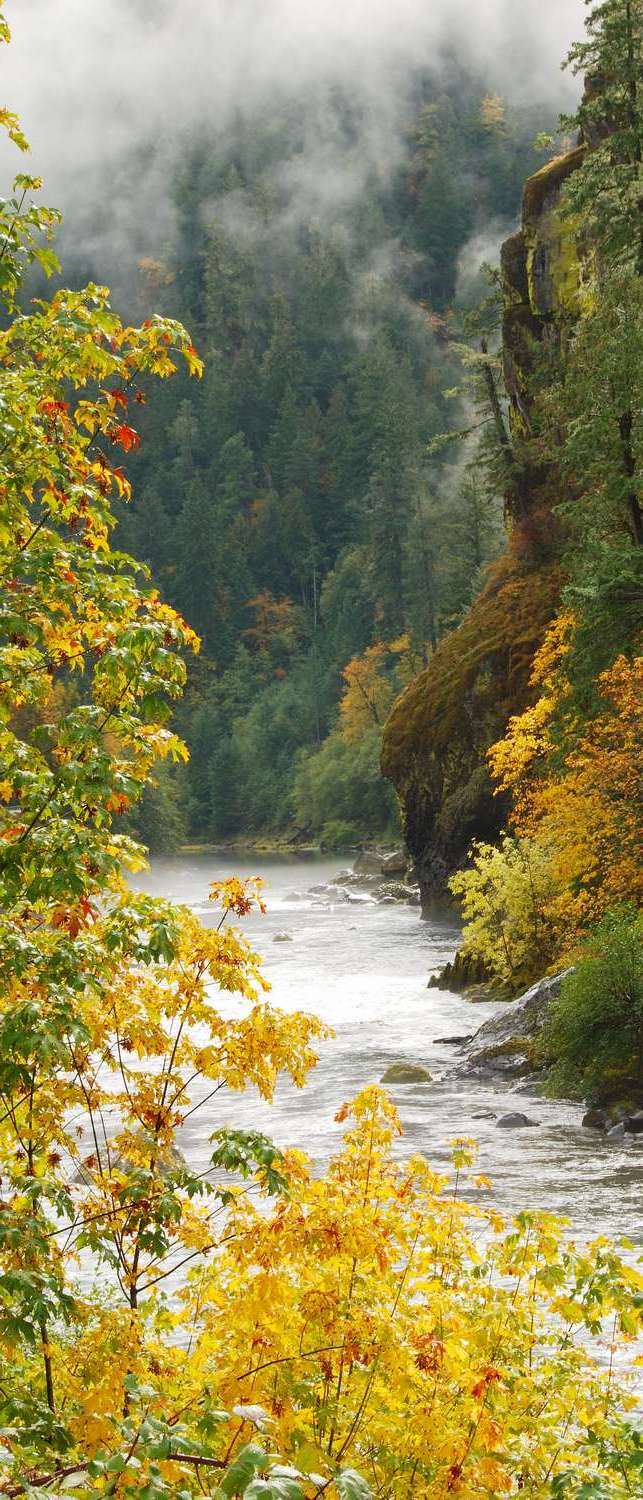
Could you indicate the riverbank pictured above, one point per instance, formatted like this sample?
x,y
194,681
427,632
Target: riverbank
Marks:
x,y
293,844
362,966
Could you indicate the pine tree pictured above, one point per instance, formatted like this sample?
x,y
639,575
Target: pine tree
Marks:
x,y
608,190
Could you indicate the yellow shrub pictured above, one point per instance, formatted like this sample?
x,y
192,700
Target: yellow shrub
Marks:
x,y
507,898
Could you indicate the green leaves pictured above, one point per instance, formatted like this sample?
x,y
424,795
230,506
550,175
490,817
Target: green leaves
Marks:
x,y
351,1486
617,1460
241,1473
279,1485
249,1154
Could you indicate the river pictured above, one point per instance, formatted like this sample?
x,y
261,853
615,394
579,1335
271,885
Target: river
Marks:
x,y
363,968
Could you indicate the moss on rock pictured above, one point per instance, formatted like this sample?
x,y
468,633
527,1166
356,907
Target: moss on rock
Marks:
x,y
436,738
439,731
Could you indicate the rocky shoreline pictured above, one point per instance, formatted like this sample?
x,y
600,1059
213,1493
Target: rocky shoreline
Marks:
x,y
501,1052
384,876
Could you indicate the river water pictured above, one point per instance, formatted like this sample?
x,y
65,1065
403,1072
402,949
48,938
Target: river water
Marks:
x,y
363,968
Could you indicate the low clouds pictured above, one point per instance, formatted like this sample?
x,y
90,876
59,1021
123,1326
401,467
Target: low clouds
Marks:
x,y
91,76
99,82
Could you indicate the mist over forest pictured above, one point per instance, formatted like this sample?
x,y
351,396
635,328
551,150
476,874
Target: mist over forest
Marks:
x,y
312,193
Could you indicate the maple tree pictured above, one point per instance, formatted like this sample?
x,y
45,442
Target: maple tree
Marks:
x,y
97,984
575,818
372,681
576,783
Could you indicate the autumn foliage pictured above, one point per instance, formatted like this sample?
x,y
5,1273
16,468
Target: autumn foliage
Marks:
x,y
577,786
246,1327
574,848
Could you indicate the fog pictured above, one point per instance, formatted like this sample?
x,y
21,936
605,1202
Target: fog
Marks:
x,y
108,89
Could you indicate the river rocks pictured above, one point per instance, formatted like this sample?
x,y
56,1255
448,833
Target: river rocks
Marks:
x,y
369,862
515,1121
468,976
378,862
459,974
283,937
597,1118
363,883
502,1047
451,1041
404,1072
396,890
631,1125
395,864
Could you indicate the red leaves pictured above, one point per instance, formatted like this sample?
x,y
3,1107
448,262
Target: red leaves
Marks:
x,y
119,398
53,409
430,1352
126,436
481,1386
117,804
72,919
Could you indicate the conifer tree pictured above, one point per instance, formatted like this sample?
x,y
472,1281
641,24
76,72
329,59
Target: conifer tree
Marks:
x,y
608,190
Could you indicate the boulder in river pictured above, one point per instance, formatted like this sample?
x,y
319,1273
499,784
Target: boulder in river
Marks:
x,y
634,1123
502,1046
394,890
357,885
617,1132
404,1072
595,1118
369,862
396,863
466,975
515,1121
282,937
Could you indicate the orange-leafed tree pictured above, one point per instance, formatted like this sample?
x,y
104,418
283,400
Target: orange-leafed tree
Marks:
x,y
577,785
372,681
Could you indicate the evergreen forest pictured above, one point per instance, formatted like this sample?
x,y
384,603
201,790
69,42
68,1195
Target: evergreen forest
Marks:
x,y
290,507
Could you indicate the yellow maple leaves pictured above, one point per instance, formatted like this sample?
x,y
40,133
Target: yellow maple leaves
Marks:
x,y
585,805
378,1320
574,847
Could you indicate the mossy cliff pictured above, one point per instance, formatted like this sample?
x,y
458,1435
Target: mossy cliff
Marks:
x,y
436,738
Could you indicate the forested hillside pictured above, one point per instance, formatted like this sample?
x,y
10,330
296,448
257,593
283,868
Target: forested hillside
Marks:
x,y
525,731
290,507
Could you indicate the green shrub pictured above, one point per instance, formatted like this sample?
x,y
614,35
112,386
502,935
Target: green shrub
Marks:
x,y
593,1037
341,784
337,834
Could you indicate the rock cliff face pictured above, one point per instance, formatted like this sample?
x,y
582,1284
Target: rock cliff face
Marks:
x,y
436,738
